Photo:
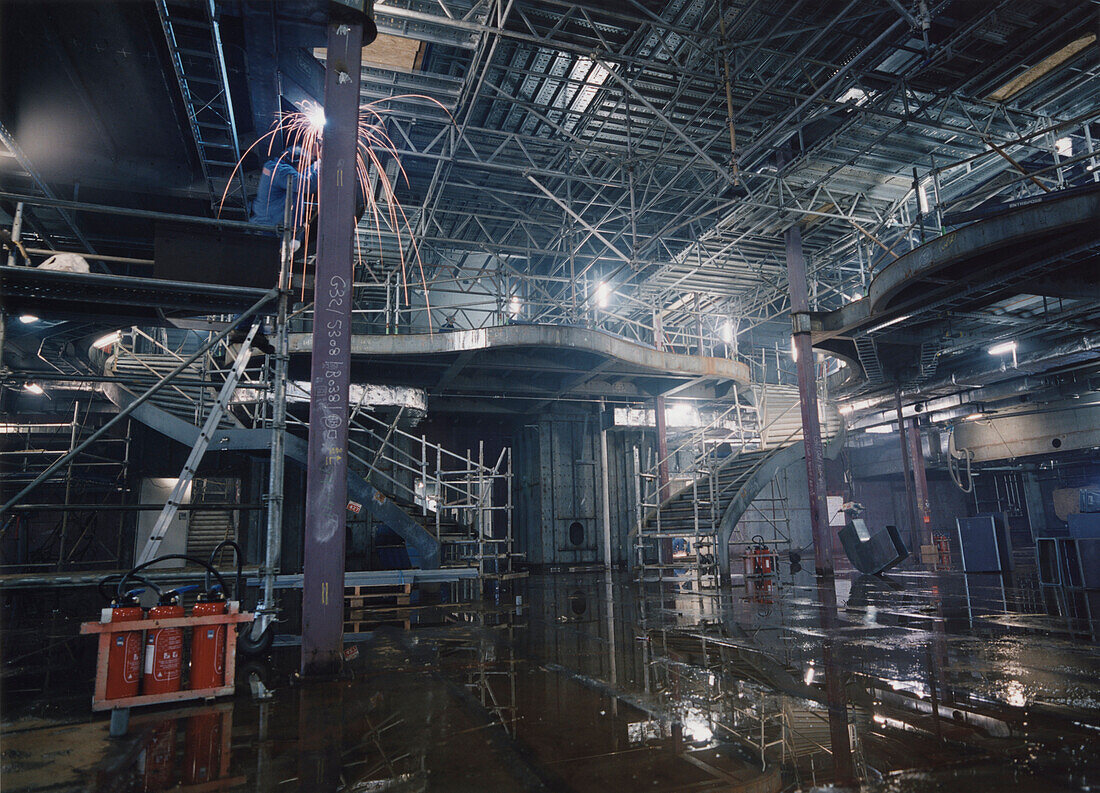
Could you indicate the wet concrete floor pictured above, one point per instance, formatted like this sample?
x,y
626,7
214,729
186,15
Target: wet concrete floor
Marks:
x,y
588,682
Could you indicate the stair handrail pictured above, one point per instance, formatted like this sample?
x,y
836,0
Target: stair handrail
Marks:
x,y
195,393
696,434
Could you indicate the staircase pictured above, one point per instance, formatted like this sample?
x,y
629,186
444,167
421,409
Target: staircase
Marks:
x,y
685,523
451,495
208,527
685,538
445,517
142,360
867,350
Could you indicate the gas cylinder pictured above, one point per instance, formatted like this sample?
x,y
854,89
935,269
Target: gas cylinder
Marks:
x,y
202,747
208,643
164,647
124,658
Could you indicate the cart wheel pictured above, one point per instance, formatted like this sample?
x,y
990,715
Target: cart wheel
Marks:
x,y
249,646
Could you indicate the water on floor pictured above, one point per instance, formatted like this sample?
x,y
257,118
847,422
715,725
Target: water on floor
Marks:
x,y
587,682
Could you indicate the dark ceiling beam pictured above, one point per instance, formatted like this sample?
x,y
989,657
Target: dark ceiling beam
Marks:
x,y
261,47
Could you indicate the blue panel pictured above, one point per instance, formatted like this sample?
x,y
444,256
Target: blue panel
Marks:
x,y
978,544
1084,525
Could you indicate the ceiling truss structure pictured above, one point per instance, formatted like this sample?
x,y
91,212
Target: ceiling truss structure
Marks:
x,y
593,147
579,162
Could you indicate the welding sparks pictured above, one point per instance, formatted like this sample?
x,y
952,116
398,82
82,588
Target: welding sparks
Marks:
x,y
303,130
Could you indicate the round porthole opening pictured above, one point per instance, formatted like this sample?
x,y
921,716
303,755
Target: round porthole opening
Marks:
x,y
578,603
1056,443
576,533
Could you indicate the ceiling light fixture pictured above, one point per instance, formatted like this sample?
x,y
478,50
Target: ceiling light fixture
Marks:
x,y
27,319
889,322
1003,348
881,429
33,388
103,342
603,295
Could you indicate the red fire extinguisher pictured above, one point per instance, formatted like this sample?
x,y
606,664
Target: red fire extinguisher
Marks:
x,y
124,658
164,646
208,643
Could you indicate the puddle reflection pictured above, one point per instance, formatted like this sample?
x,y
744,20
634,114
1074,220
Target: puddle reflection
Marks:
x,y
588,682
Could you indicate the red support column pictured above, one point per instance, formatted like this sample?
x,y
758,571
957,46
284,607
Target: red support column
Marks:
x,y
326,487
807,395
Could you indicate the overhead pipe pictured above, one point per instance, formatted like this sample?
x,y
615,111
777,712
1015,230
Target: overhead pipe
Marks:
x,y
1026,365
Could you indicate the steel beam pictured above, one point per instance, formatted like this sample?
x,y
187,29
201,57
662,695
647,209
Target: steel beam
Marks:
x,y
807,395
907,472
920,482
326,486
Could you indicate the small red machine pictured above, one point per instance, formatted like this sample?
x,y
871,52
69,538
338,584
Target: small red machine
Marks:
x,y
124,660
164,647
943,549
208,642
759,559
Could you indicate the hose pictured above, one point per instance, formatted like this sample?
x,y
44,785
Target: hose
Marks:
x,y
106,596
238,586
126,576
247,644
954,465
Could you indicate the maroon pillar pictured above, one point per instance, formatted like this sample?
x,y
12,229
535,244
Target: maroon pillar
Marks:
x,y
907,472
662,446
836,691
920,483
807,396
327,484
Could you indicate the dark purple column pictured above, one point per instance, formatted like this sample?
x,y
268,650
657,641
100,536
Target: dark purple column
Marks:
x,y
327,487
836,691
807,397
907,472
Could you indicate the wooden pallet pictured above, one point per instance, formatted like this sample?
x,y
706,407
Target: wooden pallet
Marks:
x,y
369,606
369,595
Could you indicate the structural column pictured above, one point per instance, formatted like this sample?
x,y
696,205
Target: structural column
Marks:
x,y
920,484
606,482
807,397
659,417
907,472
326,487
